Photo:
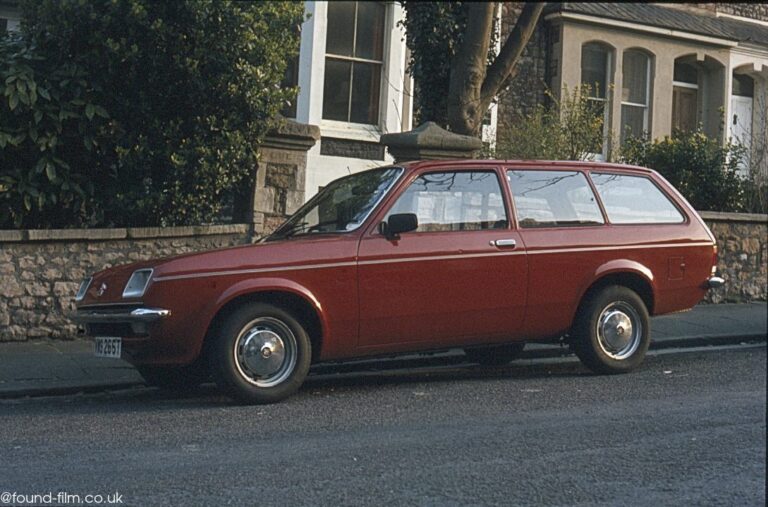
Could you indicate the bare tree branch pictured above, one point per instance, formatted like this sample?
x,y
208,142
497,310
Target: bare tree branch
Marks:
x,y
502,67
473,84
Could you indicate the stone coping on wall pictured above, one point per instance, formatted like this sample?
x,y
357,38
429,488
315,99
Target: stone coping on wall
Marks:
x,y
734,217
9,236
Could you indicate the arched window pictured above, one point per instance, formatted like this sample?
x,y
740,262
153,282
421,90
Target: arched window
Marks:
x,y
635,94
596,70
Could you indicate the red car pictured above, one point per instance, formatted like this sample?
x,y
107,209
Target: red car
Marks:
x,y
483,255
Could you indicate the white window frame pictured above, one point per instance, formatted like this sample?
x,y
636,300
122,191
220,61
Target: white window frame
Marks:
x,y
646,106
349,129
601,157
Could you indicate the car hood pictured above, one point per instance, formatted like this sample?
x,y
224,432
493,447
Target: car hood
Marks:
x,y
107,286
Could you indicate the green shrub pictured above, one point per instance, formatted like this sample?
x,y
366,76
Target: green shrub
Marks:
x,y
704,172
569,129
190,88
51,130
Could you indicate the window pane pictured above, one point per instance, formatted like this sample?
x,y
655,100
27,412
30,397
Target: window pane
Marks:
x,y
632,121
594,69
597,108
370,30
336,90
342,205
553,199
454,201
635,76
341,28
743,85
686,73
365,93
634,200
290,80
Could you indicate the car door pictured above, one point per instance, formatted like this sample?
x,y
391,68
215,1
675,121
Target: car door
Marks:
x,y
461,277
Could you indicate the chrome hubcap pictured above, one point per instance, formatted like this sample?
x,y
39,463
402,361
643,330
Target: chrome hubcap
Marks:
x,y
619,330
265,352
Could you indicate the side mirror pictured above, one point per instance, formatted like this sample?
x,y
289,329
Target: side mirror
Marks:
x,y
397,224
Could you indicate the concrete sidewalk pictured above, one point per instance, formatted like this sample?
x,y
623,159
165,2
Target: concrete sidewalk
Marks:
x,y
48,367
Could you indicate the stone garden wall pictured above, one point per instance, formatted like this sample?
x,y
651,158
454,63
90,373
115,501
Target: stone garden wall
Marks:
x,y
742,243
40,270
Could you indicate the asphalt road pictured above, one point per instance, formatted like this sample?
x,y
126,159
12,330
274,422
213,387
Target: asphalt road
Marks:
x,y
688,428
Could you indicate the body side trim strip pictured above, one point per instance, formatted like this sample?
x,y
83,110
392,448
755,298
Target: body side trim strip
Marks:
x,y
421,258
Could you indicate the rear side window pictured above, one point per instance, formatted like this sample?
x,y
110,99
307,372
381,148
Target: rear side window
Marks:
x,y
553,199
634,200
454,201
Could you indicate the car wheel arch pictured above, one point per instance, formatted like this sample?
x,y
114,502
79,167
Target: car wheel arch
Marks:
x,y
300,303
630,274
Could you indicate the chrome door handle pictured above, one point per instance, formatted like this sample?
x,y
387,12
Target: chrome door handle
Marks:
x,y
499,243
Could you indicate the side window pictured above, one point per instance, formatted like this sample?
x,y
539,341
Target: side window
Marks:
x,y
634,200
553,199
454,201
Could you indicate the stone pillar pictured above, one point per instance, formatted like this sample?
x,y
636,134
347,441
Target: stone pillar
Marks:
x,y
281,175
429,141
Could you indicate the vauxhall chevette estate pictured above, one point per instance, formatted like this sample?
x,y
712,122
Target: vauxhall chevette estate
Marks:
x,y
482,255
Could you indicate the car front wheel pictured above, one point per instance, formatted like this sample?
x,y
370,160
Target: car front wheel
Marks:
x,y
261,354
612,331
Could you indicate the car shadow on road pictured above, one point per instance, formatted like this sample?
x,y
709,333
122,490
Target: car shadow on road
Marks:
x,y
325,380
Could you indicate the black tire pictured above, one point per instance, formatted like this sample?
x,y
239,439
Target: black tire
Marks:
x,y
496,355
611,332
260,354
174,378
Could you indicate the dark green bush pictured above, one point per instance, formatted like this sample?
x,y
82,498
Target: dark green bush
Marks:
x,y
704,172
51,131
190,88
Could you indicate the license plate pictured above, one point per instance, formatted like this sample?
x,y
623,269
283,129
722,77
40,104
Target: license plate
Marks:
x,y
107,347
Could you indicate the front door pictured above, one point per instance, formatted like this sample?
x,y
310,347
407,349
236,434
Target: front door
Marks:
x,y
461,277
740,126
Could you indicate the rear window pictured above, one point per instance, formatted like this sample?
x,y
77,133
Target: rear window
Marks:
x,y
634,200
553,199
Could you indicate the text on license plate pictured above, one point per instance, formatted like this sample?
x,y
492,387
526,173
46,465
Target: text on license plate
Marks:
x,y
107,347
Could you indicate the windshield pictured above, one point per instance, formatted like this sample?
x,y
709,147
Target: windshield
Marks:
x,y
341,206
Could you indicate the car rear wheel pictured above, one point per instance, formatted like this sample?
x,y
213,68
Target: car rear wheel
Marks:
x,y
612,331
261,354
497,355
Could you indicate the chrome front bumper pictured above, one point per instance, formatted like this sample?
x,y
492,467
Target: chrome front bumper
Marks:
x,y
139,315
713,282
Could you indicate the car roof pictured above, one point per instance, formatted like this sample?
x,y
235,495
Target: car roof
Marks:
x,y
533,164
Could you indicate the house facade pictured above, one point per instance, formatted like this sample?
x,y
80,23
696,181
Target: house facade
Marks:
x,y
654,68
9,16
353,85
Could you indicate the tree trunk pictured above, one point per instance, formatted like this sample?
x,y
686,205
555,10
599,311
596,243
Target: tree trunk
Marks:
x,y
472,85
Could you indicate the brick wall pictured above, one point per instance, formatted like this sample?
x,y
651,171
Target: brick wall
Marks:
x,y
40,270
